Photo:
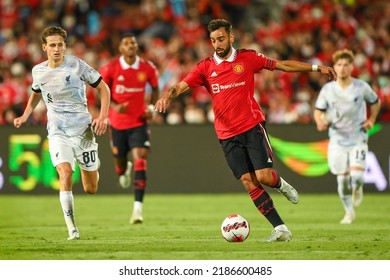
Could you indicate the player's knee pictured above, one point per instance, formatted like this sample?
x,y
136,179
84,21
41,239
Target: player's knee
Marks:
x,y
247,181
91,188
268,177
357,177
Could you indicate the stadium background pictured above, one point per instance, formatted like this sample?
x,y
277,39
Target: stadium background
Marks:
x,y
186,156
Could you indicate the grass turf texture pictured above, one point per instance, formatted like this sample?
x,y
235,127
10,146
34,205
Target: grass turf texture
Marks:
x,y
187,227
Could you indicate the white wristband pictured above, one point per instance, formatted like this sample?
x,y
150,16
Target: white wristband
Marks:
x,y
151,109
314,68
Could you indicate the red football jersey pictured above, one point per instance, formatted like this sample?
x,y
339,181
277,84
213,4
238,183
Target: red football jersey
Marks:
x,y
231,85
127,84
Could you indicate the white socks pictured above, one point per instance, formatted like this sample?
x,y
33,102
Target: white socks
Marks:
x,y
67,203
137,206
345,192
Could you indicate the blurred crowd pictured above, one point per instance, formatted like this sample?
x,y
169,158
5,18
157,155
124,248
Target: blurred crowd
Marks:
x,y
173,35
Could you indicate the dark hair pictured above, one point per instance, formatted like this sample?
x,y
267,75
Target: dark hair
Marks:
x,y
51,31
127,34
216,24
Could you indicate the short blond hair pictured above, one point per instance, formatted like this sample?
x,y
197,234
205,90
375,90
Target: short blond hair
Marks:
x,y
343,54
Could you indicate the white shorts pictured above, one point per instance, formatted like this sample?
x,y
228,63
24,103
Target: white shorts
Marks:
x,y
82,150
341,158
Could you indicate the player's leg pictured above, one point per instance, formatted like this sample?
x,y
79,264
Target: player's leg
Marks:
x,y
344,191
240,164
261,156
266,207
357,158
62,157
139,156
120,148
271,178
87,157
338,165
140,143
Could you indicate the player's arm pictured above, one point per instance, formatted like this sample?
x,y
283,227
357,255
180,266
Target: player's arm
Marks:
x,y
33,101
173,92
100,123
150,111
298,66
374,111
320,120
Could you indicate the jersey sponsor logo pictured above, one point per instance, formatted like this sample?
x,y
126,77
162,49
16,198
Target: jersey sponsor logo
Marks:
x,y
238,68
213,74
120,89
216,88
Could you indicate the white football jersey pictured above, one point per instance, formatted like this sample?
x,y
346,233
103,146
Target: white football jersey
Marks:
x,y
346,110
64,91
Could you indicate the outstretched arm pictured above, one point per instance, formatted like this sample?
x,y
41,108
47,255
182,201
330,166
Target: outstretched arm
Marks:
x,y
163,103
33,101
298,66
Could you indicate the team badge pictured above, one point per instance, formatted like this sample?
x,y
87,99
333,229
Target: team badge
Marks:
x,y
238,68
141,76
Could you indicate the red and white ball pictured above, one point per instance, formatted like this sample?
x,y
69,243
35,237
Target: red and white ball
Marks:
x,y
235,228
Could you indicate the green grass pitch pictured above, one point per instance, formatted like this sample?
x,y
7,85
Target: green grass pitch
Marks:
x,y
187,227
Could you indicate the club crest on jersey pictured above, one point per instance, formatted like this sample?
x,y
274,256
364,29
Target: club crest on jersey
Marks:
x,y
67,80
141,76
238,68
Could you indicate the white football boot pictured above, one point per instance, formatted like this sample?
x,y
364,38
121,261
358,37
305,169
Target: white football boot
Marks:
x,y
74,234
348,218
288,191
125,179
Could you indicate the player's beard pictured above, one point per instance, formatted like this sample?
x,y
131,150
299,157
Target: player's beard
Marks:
x,y
225,52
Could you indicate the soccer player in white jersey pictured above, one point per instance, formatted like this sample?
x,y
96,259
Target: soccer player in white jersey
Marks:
x,y
60,82
341,108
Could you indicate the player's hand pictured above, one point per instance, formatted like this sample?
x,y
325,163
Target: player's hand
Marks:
x,y
121,107
368,124
328,71
149,113
162,105
321,122
19,121
322,126
100,125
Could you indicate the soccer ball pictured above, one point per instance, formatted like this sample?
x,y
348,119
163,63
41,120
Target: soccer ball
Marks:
x,y
235,228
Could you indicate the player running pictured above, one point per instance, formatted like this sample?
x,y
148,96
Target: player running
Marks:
x,y
60,82
127,77
239,122
341,108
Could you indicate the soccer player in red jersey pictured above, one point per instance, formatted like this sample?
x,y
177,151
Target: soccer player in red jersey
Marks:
x,y
127,77
228,76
